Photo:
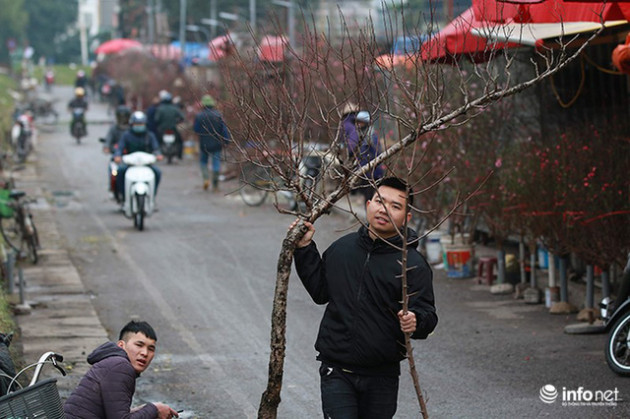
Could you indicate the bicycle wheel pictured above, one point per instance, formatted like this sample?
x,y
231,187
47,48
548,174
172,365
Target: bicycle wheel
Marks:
x,y
254,180
12,232
31,238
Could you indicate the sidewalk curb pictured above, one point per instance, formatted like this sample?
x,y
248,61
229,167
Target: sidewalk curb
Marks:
x,y
62,318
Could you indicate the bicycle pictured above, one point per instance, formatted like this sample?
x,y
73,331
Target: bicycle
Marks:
x,y
16,224
40,399
256,181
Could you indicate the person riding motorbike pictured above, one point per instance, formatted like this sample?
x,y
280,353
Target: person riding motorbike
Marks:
x,y
111,140
78,102
167,116
117,129
137,138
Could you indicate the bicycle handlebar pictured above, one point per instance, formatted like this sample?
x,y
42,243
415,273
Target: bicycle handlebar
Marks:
x,y
51,357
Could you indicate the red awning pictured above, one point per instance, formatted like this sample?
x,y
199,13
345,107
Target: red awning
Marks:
x,y
456,40
220,47
117,45
272,48
490,25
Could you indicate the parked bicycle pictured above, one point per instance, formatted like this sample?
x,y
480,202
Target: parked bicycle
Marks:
x,y
16,224
258,180
40,399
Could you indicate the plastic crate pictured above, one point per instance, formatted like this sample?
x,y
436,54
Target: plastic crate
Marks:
x,y
41,400
6,211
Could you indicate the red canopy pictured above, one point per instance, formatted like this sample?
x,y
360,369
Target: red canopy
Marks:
x,y
455,40
549,11
220,47
116,45
272,48
496,20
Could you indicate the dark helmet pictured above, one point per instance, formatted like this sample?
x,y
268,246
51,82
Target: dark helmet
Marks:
x,y
123,113
138,122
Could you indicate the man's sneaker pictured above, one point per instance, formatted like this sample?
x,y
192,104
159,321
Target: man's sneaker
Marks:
x,y
206,185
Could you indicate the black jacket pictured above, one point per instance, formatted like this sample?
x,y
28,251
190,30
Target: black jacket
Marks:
x,y
359,279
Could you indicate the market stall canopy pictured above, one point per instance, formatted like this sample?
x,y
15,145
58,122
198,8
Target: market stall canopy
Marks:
x,y
531,24
272,48
117,45
220,47
456,40
492,24
165,51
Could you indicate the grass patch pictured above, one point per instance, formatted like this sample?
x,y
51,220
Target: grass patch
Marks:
x,y
6,315
6,106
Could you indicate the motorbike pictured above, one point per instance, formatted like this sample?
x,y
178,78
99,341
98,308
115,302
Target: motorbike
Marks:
x,y
77,128
139,200
21,136
169,145
617,324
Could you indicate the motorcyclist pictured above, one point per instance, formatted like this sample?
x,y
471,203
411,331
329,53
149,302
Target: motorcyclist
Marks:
x,y
167,116
78,102
115,133
117,129
81,79
137,138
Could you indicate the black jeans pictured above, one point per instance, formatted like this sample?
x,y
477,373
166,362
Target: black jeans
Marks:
x,y
347,395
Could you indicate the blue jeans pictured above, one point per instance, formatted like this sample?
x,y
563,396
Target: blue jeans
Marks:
x,y
347,395
204,157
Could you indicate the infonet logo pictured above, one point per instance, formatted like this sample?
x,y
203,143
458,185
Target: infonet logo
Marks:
x,y
579,397
548,394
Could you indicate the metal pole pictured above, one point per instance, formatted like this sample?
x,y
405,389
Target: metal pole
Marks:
x,y
21,276
521,259
151,21
562,271
532,268
291,24
10,265
605,284
552,270
182,27
590,286
252,15
501,266
213,16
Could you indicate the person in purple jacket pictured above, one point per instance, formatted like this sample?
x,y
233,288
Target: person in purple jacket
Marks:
x,y
106,390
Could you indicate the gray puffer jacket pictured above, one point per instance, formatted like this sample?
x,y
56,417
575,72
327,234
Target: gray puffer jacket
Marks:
x,y
107,388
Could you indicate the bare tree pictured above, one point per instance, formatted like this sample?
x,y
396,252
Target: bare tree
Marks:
x,y
276,111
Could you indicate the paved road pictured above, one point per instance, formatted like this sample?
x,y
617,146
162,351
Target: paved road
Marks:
x,y
203,274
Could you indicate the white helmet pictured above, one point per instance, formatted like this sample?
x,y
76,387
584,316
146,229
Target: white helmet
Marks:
x,y
363,116
165,96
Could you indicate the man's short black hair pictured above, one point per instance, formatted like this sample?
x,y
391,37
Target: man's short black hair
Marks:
x,y
134,327
399,184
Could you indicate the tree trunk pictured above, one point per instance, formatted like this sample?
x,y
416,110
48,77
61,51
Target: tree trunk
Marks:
x,y
270,400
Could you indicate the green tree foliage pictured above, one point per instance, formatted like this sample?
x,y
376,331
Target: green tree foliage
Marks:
x,y
13,20
46,21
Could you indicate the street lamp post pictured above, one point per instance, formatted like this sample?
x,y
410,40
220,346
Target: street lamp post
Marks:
x,y
182,27
291,21
252,15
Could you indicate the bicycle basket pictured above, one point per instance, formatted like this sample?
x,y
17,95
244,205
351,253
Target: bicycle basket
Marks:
x,y
41,400
6,211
